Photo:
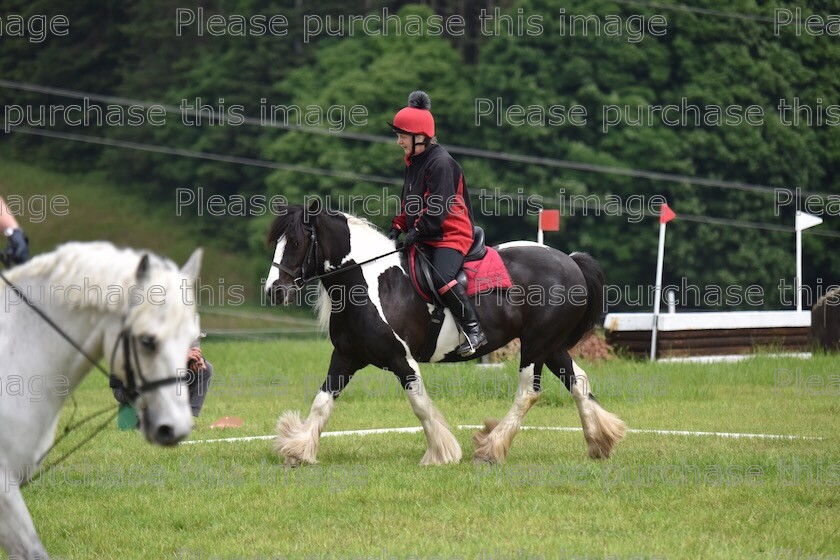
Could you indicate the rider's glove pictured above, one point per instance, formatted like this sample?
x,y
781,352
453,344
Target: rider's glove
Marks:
x,y
17,251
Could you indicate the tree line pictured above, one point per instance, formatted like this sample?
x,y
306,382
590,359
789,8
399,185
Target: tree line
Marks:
x,y
591,93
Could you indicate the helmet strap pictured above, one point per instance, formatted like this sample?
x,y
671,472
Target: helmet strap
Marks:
x,y
414,144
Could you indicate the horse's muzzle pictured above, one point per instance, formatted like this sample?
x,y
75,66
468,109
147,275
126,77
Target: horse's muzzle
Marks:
x,y
279,294
165,434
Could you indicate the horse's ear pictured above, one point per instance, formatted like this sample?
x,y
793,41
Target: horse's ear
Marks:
x,y
193,265
142,273
312,210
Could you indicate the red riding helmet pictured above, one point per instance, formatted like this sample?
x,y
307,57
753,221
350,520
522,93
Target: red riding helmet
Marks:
x,y
416,117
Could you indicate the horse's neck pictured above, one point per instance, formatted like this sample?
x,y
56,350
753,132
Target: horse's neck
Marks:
x,y
366,243
40,368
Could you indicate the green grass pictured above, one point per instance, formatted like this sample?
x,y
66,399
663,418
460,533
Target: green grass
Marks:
x,y
659,496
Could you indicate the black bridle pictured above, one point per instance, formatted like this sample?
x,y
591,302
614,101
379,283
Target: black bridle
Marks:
x,y
310,262
133,372
299,274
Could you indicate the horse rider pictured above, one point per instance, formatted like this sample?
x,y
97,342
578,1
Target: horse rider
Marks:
x,y
436,211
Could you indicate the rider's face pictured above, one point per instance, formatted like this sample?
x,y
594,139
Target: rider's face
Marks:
x,y
406,140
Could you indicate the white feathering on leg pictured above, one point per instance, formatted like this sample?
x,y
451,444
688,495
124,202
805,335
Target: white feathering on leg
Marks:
x,y
298,440
601,429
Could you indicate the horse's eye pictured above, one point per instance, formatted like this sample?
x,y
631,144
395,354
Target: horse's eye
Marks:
x,y
148,342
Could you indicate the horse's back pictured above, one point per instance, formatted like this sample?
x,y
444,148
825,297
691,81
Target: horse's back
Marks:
x,y
535,264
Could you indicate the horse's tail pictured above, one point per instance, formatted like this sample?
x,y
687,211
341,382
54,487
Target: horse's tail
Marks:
x,y
595,280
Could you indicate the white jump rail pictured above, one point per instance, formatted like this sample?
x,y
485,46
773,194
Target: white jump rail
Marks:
x,y
709,320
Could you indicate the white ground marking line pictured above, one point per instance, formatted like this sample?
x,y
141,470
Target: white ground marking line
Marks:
x,y
416,429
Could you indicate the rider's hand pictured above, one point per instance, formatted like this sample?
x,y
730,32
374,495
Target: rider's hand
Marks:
x,y
17,251
394,234
411,238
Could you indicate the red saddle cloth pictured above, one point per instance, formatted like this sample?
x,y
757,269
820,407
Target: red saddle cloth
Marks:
x,y
489,273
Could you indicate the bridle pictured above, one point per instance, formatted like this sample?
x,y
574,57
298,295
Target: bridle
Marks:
x,y
133,372
131,365
300,273
310,261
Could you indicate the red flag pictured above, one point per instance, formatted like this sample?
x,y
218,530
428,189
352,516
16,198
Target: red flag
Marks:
x,y
666,214
550,220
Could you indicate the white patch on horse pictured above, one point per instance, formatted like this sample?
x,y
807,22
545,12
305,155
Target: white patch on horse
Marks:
x,y
448,339
273,271
493,442
511,244
367,243
601,429
324,308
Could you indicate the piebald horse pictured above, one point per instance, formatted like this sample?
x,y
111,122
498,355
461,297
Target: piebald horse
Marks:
x,y
375,317
130,308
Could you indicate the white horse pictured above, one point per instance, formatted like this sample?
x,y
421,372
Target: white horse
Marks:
x,y
131,308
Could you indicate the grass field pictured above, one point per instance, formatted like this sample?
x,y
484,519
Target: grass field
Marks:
x,y
660,496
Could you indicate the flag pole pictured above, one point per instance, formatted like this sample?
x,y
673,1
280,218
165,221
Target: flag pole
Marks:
x,y
797,284
665,216
802,221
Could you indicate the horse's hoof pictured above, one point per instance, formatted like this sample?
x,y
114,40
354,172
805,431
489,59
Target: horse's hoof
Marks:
x,y
484,460
292,462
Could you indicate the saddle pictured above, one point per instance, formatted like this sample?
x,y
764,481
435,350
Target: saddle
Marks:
x,y
420,266
483,270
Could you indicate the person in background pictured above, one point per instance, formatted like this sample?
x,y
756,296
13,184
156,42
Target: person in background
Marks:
x,y
17,245
200,371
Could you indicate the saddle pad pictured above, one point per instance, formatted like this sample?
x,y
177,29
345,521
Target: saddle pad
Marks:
x,y
489,273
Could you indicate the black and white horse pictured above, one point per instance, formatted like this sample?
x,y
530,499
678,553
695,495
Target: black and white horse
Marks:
x,y
375,317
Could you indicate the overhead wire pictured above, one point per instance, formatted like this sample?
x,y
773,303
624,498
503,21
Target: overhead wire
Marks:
x,y
373,178
463,150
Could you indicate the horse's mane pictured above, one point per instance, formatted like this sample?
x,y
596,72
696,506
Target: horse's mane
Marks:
x,y
357,221
290,223
90,264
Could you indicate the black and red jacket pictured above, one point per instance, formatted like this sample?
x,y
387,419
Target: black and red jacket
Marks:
x,y
435,201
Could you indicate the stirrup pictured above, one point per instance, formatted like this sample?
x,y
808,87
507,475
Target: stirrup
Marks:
x,y
467,348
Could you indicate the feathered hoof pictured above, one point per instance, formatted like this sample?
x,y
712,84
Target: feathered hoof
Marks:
x,y
292,462
443,450
488,450
608,430
294,441
483,461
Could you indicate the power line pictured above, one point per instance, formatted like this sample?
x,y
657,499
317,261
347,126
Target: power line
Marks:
x,y
203,155
710,12
356,176
463,150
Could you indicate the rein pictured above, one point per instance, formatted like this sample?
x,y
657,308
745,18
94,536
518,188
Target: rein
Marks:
x,y
129,347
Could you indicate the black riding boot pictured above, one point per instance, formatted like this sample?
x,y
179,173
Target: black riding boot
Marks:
x,y
459,304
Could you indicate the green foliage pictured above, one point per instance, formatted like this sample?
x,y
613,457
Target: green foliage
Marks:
x,y
131,50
